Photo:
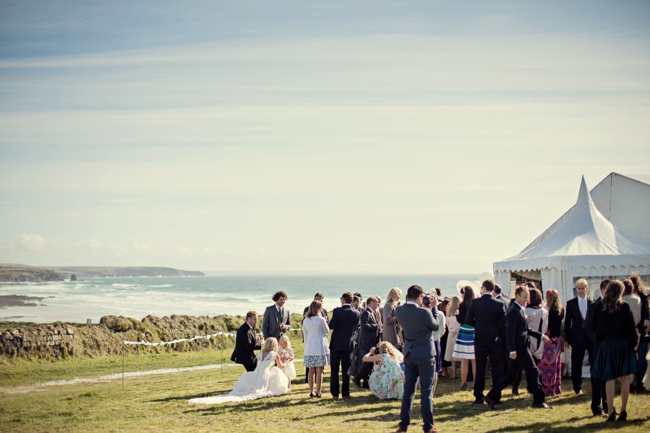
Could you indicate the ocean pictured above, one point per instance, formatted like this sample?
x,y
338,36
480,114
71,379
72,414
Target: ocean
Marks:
x,y
92,298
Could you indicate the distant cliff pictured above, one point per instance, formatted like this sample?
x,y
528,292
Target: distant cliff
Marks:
x,y
26,274
92,271
16,274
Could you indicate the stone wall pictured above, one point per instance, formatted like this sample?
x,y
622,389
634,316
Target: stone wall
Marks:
x,y
61,340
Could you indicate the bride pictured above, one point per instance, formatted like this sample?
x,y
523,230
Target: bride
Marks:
x,y
265,381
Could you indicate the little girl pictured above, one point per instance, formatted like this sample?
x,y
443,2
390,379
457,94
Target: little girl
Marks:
x,y
286,356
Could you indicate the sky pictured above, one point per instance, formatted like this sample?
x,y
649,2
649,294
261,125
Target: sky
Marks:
x,y
326,137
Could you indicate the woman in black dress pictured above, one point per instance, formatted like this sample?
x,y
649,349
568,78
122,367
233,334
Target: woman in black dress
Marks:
x,y
614,327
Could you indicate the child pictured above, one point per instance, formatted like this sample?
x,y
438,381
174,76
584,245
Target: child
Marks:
x,y
286,356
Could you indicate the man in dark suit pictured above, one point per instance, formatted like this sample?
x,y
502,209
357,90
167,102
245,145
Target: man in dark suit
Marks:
x,y
488,317
499,296
345,320
517,333
598,397
578,338
245,342
418,325
276,318
369,330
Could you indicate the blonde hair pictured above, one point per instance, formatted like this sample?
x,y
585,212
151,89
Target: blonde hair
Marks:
x,y
582,281
286,340
452,309
386,347
270,345
392,292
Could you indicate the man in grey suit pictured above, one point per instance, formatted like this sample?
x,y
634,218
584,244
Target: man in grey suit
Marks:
x,y
418,325
276,318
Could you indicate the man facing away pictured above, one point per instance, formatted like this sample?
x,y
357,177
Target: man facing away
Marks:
x,y
276,318
246,342
418,325
578,338
488,317
345,320
517,333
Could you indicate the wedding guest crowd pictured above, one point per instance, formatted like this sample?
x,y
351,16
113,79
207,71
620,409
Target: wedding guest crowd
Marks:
x,y
393,348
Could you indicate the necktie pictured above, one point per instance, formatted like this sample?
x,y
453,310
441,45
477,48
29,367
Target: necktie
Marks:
x,y
583,308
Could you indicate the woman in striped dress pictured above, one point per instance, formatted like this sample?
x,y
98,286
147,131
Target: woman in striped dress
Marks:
x,y
464,347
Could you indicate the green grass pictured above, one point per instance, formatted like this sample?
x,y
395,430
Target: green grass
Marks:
x,y
158,403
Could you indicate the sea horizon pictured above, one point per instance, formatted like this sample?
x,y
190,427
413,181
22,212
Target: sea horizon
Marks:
x,y
210,295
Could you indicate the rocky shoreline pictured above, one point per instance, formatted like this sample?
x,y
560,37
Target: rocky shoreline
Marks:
x,y
18,301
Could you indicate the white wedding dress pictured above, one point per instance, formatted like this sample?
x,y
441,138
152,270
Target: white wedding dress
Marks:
x,y
265,381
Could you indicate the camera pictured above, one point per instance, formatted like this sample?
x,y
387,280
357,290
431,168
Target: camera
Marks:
x,y
426,300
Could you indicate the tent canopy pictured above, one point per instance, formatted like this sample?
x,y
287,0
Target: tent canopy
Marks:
x,y
581,243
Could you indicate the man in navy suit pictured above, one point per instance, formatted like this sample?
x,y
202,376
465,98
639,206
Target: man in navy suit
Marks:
x,y
245,342
578,338
345,320
517,332
488,317
418,325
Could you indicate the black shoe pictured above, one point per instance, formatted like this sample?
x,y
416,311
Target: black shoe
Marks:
x,y
515,390
612,417
622,416
357,383
477,401
597,411
490,403
541,406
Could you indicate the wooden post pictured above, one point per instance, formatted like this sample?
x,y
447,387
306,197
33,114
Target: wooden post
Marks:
x,y
123,357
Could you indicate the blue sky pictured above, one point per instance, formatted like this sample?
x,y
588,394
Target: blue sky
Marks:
x,y
316,137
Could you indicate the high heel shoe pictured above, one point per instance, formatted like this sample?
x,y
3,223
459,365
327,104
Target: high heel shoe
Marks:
x,y
612,417
318,395
622,416
311,395
463,387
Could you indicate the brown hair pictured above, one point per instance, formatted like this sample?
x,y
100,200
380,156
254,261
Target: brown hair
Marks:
x,y
347,297
468,295
612,300
535,298
520,289
251,314
488,285
314,309
553,300
279,295
638,284
629,287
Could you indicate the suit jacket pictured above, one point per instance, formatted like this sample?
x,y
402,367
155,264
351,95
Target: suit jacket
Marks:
x,y
244,345
345,320
272,321
368,336
575,328
488,317
418,325
517,330
504,301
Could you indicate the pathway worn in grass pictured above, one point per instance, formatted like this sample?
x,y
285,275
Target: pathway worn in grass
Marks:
x,y
159,403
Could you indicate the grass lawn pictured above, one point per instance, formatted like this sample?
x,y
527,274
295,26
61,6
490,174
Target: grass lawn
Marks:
x,y
158,402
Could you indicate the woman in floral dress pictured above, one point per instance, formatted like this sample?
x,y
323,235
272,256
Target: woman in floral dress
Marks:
x,y
387,381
